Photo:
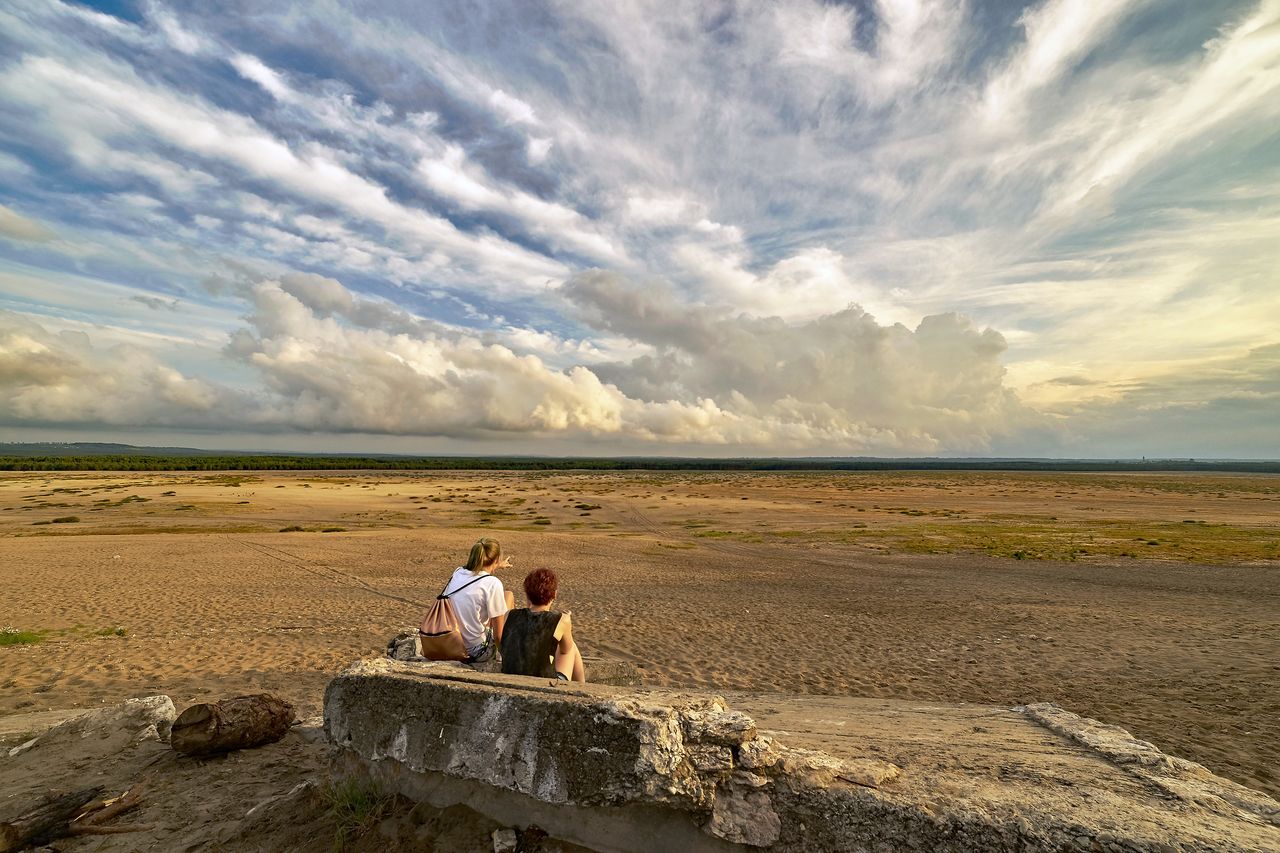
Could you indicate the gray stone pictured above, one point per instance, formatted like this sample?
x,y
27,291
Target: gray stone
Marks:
x,y
131,721
719,726
23,747
744,816
405,646
310,729
760,753
504,841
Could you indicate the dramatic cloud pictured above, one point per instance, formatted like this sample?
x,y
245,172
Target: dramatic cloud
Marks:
x,y
892,226
329,361
64,379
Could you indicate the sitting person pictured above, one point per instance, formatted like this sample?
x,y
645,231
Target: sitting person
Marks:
x,y
537,640
480,601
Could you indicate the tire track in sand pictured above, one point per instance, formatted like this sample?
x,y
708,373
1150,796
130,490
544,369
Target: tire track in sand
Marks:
x,y
328,573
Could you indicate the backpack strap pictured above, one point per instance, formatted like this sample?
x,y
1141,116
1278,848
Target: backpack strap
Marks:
x,y
461,588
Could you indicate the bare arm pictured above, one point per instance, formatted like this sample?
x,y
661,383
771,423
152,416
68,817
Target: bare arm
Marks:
x,y
498,622
564,632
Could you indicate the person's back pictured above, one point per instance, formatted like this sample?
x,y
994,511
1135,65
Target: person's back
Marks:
x,y
476,599
479,601
529,642
538,641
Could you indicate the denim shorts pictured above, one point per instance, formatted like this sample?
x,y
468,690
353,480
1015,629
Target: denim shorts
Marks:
x,y
484,652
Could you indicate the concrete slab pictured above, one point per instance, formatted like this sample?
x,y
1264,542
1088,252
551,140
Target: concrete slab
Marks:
x,y
1025,760
636,769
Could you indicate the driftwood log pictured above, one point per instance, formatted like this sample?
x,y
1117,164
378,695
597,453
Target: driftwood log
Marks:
x,y
92,817
49,820
245,721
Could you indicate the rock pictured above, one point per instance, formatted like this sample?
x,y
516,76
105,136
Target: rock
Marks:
x,y
814,768
120,725
311,729
868,772
405,646
744,817
504,841
711,759
760,753
719,726
21,748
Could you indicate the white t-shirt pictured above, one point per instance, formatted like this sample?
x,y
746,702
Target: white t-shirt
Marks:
x,y
476,604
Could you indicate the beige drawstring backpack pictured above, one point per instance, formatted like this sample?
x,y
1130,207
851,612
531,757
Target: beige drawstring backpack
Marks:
x,y
441,635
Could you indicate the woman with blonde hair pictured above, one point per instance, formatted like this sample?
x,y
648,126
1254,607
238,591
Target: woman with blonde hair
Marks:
x,y
480,601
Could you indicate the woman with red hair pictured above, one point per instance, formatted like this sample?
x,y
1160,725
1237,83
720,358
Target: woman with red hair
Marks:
x,y
537,640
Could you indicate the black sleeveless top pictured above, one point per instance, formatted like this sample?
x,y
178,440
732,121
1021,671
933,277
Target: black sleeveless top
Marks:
x,y
529,641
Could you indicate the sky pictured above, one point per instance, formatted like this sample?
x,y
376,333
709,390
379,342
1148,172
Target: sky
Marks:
x,y
880,227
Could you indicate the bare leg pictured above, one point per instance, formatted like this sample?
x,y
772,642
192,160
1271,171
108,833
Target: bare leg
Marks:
x,y
511,599
570,664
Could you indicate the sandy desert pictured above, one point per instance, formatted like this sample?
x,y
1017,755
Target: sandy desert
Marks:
x,y
1148,601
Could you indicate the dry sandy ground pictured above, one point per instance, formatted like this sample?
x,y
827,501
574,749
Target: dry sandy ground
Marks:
x,y
993,588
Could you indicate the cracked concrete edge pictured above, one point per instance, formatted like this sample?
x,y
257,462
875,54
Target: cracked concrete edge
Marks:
x,y
693,754
1186,780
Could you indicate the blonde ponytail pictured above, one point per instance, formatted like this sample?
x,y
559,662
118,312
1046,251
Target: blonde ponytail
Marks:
x,y
483,553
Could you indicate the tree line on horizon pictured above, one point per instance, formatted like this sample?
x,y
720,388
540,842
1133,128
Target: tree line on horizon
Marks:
x,y
264,462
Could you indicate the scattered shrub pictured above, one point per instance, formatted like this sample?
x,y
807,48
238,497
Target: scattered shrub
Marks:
x,y
355,809
333,530
10,636
293,528
65,519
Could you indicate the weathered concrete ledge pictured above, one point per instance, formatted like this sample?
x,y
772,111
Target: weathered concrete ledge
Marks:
x,y
633,769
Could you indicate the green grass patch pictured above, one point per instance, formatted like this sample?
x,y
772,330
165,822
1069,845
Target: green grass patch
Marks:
x,y
112,632
293,528
1044,539
736,535
355,808
14,637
